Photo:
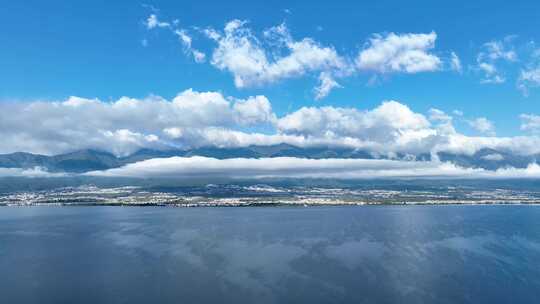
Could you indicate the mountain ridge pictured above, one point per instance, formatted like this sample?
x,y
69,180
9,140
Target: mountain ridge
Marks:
x,y
90,159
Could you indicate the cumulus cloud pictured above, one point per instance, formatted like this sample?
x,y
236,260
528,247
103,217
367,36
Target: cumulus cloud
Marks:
x,y
391,114
395,128
291,167
253,110
241,53
392,124
196,119
259,59
125,125
407,53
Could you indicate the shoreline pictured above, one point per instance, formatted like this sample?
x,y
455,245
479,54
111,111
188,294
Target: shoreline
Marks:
x,y
270,205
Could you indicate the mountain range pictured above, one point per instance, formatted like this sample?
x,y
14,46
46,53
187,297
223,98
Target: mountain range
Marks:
x,y
90,160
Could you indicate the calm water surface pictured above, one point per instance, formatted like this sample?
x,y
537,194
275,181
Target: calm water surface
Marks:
x,y
381,254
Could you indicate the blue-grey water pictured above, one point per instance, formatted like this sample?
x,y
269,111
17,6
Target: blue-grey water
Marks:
x,y
380,254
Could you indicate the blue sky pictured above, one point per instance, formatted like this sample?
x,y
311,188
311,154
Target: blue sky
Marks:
x,y
105,49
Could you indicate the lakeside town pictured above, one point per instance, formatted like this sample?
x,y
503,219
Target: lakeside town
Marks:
x,y
261,195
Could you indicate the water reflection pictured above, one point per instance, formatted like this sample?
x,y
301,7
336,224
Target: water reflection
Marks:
x,y
271,255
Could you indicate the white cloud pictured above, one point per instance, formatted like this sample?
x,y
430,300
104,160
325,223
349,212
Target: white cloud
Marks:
x,y
393,127
211,33
256,60
492,53
495,50
32,172
186,41
408,53
198,56
195,119
153,22
487,68
390,119
389,128
483,125
438,115
491,74
300,167
443,121
528,78
173,132
125,125
253,110
242,54
327,84
530,123
457,113
455,63
493,157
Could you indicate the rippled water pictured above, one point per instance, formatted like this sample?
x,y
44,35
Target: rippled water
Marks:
x,y
380,254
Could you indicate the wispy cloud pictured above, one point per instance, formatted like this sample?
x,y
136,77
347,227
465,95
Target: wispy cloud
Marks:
x,y
483,125
530,123
455,63
493,53
153,22
32,172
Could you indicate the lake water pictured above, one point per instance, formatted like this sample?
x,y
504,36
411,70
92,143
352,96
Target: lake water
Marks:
x,y
379,254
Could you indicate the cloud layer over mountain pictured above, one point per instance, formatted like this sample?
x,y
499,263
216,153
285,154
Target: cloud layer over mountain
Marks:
x,y
196,119
292,167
